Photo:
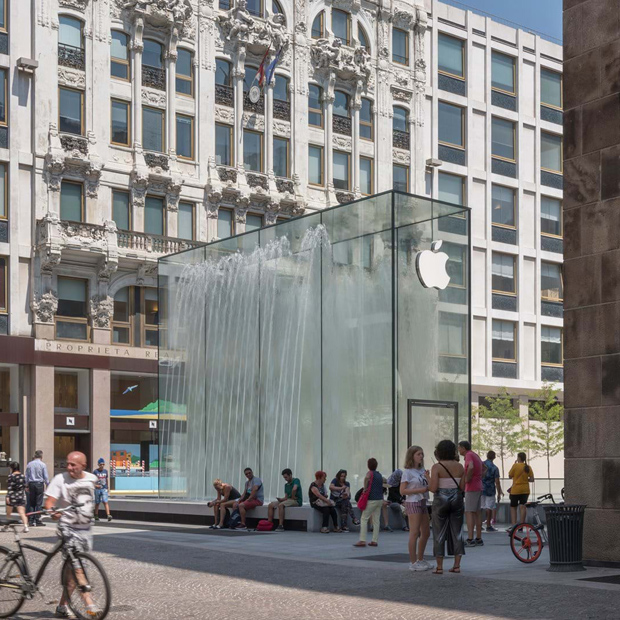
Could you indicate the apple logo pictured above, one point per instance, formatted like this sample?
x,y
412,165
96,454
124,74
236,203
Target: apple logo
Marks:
x,y
431,267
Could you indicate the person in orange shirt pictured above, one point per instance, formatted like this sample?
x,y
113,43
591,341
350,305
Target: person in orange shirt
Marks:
x,y
522,474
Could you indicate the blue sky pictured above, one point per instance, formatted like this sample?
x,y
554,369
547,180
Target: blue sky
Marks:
x,y
544,16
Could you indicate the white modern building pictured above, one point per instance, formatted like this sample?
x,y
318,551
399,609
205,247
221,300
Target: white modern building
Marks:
x,y
127,131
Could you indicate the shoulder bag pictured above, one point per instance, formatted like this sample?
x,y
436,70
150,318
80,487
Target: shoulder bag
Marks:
x,y
458,486
362,502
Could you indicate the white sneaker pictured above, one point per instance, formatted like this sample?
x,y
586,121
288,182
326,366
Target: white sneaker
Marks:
x,y
417,567
427,565
26,529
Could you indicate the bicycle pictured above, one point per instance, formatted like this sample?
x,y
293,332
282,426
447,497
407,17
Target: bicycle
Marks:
x,y
527,540
17,583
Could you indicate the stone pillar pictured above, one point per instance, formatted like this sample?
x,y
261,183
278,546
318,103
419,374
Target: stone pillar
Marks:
x,y
238,76
355,147
328,153
41,416
268,134
136,67
592,270
171,99
100,416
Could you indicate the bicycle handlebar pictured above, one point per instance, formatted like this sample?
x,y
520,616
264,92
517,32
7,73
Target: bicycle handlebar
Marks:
x,y
54,510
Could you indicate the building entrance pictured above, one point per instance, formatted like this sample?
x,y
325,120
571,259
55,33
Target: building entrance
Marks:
x,y
65,443
430,421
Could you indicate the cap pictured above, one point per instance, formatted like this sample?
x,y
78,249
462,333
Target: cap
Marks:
x,y
101,462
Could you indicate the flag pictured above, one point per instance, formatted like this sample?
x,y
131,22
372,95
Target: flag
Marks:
x,y
272,66
260,74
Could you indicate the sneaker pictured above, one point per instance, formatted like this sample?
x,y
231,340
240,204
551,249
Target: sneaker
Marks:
x,y
470,542
406,528
26,529
417,567
427,565
490,528
63,611
280,528
479,542
241,527
345,530
356,521
387,528
109,518
96,518
217,527
324,530
92,610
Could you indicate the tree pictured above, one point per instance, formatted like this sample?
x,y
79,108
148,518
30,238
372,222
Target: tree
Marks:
x,y
546,432
499,426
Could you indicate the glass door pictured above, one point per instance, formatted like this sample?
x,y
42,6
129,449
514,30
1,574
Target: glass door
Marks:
x,y
430,421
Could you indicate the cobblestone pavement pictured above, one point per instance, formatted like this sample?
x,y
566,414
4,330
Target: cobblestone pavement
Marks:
x,y
167,572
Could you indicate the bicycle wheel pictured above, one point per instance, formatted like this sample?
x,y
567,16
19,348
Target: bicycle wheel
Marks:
x,y
87,588
526,543
11,585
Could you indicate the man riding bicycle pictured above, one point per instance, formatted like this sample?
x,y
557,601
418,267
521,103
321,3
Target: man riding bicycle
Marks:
x,y
75,487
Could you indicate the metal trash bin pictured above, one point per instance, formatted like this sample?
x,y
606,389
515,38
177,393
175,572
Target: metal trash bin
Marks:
x,y
565,530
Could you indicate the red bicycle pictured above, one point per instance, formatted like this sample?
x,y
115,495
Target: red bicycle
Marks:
x,y
527,540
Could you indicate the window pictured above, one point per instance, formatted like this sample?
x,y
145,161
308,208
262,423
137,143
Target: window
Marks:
x,y
341,26
503,273
503,202
71,201
3,15
315,106
71,316
451,57
119,129
276,9
363,38
185,136
71,111
342,165
551,88
503,73
450,188
150,306
3,96
551,346
253,222
341,104
318,28
502,139
225,5
153,129
456,263
366,120
281,88
550,216
249,78
121,319
4,212
225,223
4,297
315,165
153,54
185,73
154,215
551,152
121,213
222,72
451,125
255,7
400,120
252,150
70,32
452,334
185,227
366,176
400,46
136,317
119,67
223,145
551,284
280,157
504,336
400,178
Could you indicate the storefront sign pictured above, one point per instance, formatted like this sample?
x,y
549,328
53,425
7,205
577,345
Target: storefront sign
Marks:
x,y
55,346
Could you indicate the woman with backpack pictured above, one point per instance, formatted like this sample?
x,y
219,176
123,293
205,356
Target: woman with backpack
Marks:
x,y
521,474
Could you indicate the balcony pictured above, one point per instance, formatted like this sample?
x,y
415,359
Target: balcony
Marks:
x,y
154,77
257,180
257,108
400,139
341,125
151,244
224,95
69,56
282,110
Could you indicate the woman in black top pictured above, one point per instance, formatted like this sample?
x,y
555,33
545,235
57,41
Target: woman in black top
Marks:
x,y
16,494
226,495
319,501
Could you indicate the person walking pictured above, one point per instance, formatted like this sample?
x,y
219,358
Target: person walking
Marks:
x,y
101,490
340,494
373,482
414,486
36,481
447,484
474,470
319,501
521,474
226,496
491,488
16,494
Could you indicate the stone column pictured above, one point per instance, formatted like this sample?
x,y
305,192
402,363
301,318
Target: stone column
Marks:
x,y
355,147
136,67
328,153
268,134
171,99
238,75
100,416
41,415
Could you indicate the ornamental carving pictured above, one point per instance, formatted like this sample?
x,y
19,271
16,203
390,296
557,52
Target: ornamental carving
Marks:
x,y
224,95
401,95
257,180
76,233
44,307
403,19
158,162
224,115
154,77
401,157
71,77
344,197
227,175
75,146
92,176
173,194
348,64
285,186
253,121
341,143
401,139
342,125
282,109
139,185
282,129
79,5
172,15
54,169
101,309
154,97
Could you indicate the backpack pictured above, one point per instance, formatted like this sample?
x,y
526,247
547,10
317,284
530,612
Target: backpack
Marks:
x,y
265,526
235,519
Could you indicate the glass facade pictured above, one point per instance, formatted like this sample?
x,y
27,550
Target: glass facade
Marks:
x,y
306,345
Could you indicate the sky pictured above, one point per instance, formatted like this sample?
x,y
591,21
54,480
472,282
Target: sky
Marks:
x,y
544,16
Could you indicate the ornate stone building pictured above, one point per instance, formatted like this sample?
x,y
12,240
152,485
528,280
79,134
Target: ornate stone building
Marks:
x,y
138,134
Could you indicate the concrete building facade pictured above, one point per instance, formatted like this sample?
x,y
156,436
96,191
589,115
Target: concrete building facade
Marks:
x,y
131,130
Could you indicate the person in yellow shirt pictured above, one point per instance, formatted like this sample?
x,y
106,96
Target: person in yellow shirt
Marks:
x,y
522,474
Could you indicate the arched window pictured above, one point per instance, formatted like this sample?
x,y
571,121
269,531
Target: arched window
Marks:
x,y
119,52
255,7
280,91
222,72
318,29
153,54
276,9
70,32
400,120
315,106
366,120
341,104
363,38
185,73
341,26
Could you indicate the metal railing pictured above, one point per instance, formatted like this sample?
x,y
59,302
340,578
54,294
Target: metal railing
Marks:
x,y
69,56
158,244
154,77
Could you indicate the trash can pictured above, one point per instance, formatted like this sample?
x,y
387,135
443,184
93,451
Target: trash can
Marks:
x,y
565,529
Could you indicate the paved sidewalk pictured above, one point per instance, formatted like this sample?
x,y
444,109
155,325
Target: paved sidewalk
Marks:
x,y
166,572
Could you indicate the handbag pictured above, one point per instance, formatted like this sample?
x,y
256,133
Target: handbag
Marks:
x,y
362,502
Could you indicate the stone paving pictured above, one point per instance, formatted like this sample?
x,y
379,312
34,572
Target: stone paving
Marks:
x,y
163,572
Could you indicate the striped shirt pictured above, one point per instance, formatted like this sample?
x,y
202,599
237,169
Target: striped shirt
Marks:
x,y
36,471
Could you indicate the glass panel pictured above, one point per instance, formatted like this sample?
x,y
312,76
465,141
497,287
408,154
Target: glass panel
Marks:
x,y
280,157
400,178
153,129
3,19
249,78
150,306
253,222
450,188
428,426
222,72
503,340
451,55
120,335
151,338
120,210
223,145
503,72
121,305
363,38
317,26
154,216
551,151
400,47
315,106
185,136
551,216
551,282
70,31
3,93
551,88
120,122
72,297
252,150
3,191
71,331
152,54
341,170
340,26
503,205
119,46
503,273
400,120
184,71
254,7
185,229
451,124
341,104
70,111
315,165
551,345
503,138
452,334
280,90
3,287
71,202
366,119
365,176
224,223
456,263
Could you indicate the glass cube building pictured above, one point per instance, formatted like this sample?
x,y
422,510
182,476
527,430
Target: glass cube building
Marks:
x,y
314,344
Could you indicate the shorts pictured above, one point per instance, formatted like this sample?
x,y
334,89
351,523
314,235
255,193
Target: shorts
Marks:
x,y
416,508
250,504
488,502
101,496
290,503
521,498
472,501
76,541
